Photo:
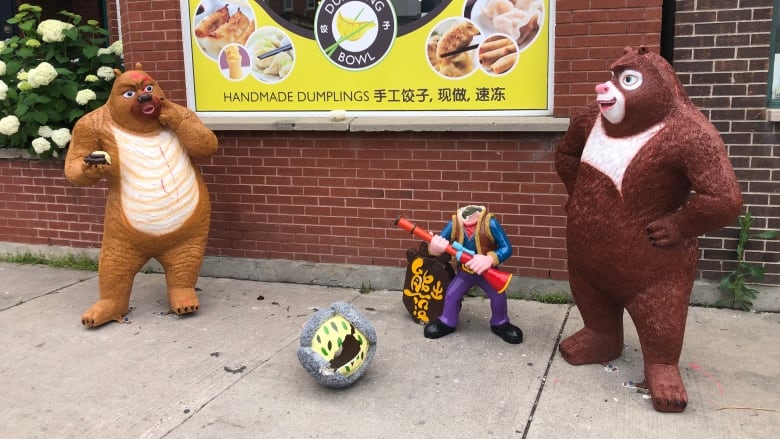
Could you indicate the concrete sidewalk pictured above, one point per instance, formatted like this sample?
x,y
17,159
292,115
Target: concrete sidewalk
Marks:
x,y
231,370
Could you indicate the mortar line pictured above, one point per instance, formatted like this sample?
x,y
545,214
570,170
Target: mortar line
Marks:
x,y
546,373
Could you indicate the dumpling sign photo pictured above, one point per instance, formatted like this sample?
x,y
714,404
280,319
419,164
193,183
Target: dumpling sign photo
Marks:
x,y
308,58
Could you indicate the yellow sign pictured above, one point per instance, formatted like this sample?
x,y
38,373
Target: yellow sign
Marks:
x,y
302,57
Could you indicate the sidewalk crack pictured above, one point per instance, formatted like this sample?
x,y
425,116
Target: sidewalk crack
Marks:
x,y
546,373
44,294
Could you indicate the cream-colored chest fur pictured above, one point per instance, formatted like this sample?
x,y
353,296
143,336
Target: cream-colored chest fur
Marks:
x,y
610,155
159,186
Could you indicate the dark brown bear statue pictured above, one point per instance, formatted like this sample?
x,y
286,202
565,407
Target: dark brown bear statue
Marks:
x,y
646,173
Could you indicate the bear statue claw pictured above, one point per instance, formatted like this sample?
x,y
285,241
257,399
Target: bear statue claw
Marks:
x,y
183,300
104,311
589,347
666,388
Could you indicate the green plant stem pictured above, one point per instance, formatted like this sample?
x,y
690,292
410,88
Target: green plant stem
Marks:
x,y
332,48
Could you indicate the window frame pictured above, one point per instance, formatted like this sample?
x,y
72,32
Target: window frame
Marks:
x,y
773,78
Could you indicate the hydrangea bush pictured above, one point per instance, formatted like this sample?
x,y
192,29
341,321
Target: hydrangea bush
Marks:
x,y
51,74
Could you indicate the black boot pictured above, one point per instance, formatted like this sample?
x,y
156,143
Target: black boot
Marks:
x,y
437,329
508,332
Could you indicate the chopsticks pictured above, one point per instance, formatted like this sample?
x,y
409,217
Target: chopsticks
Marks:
x,y
460,50
281,49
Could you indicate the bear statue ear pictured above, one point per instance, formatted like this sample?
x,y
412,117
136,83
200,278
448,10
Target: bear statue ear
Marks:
x,y
424,250
643,50
138,66
627,50
117,73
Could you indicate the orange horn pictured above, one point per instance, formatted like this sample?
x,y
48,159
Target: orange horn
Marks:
x,y
496,278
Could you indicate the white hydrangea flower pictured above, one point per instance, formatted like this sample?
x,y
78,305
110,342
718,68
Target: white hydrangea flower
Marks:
x,y
41,75
104,51
3,67
32,42
106,72
61,137
2,45
91,78
51,30
3,90
9,125
116,47
54,154
22,75
41,145
45,131
84,96
23,86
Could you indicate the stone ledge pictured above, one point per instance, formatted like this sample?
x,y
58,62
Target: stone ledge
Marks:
x,y
16,153
705,293
394,124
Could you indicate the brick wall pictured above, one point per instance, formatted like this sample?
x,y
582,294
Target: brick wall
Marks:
x,y
37,206
722,56
328,197
151,35
114,27
332,197
589,36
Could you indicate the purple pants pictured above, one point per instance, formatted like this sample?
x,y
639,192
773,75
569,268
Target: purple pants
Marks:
x,y
458,288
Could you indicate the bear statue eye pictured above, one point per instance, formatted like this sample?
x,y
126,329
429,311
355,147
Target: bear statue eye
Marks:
x,y
630,79
149,88
128,94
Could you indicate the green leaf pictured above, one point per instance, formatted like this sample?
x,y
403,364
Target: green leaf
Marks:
x,y
26,26
725,282
75,113
11,95
53,114
70,90
71,33
43,99
40,116
754,271
108,59
61,58
90,51
12,67
767,234
29,7
21,109
750,292
24,52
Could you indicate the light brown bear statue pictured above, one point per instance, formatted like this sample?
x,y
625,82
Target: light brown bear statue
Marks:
x,y
158,205
646,173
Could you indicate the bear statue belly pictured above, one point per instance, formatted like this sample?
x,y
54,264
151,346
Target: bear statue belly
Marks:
x,y
159,186
607,231
612,204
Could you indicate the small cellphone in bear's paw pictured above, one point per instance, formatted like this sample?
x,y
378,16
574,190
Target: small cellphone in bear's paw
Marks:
x,y
98,158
